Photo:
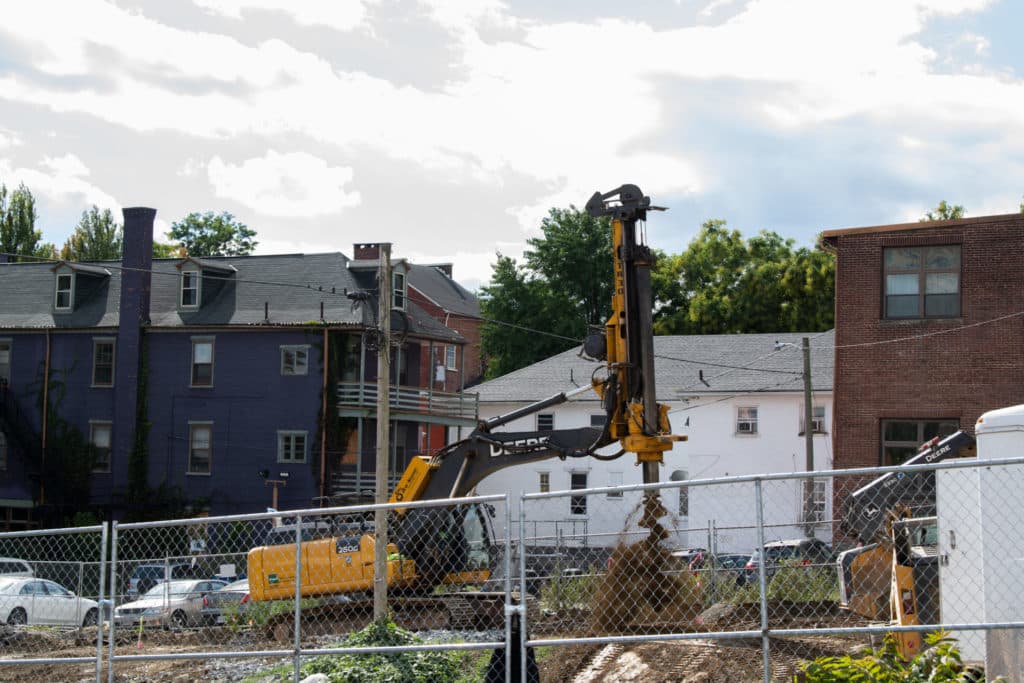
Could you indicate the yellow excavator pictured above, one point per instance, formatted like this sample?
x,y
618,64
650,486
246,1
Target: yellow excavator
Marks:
x,y
434,546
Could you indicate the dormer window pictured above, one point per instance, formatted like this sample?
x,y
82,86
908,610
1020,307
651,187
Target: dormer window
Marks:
x,y
65,291
189,288
398,290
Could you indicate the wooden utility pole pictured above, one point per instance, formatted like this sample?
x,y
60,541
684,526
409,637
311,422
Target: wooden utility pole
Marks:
x,y
808,441
380,517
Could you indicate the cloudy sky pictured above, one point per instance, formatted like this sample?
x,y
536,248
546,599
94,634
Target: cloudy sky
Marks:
x,y
450,127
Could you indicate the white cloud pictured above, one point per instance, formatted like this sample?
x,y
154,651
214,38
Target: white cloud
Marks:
x,y
62,179
294,184
9,139
343,15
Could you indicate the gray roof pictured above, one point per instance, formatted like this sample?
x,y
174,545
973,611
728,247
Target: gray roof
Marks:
x,y
730,363
443,291
290,287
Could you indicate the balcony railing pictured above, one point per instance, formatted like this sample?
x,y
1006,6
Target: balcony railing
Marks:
x,y
434,406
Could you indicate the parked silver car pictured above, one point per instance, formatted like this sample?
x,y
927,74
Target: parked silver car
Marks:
x,y
171,604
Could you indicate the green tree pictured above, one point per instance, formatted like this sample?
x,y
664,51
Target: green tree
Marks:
x,y
164,250
516,296
723,284
943,212
209,234
97,237
18,234
574,257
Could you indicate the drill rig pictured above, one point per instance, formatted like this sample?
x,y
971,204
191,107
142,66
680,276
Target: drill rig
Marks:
x,y
431,546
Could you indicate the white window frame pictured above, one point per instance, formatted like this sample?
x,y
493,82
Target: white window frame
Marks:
x,y
69,291
286,442
399,292
297,368
196,278
545,417
451,357
819,500
615,479
193,427
192,365
93,428
818,415
746,424
96,343
578,504
683,506
544,482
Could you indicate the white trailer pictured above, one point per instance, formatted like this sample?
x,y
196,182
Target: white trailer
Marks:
x,y
981,546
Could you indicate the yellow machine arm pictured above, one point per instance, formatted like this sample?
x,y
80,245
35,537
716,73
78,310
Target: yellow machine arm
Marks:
x,y
637,420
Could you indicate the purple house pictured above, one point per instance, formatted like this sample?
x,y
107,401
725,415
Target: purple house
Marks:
x,y
153,387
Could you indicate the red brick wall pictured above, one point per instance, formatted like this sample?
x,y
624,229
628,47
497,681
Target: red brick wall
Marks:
x,y
468,328
949,370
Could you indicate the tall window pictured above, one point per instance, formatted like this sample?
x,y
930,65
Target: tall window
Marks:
x,y
99,437
5,364
202,362
63,294
922,282
817,493
901,439
545,482
294,360
578,504
545,422
746,420
189,288
398,290
449,357
291,446
103,362
200,453
3,452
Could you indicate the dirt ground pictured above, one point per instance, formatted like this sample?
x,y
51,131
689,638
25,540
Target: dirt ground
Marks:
x,y
705,660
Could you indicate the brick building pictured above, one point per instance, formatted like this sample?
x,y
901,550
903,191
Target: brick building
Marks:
x,y
929,331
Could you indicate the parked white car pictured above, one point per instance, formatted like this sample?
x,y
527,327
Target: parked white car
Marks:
x,y
27,600
169,604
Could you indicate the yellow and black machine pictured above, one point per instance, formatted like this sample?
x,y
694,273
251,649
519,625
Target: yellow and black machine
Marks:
x,y
451,545
893,574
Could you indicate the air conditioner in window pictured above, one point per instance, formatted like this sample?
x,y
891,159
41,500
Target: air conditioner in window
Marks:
x,y
818,425
746,427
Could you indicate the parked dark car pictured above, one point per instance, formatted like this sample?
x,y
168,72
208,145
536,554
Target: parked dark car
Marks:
x,y
805,551
226,604
727,567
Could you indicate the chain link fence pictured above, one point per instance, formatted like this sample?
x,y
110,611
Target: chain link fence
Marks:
x,y
750,577
744,578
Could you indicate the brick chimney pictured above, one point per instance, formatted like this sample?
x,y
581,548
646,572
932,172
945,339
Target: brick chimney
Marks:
x,y
136,279
366,251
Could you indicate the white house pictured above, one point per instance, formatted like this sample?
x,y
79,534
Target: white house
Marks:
x,y
739,399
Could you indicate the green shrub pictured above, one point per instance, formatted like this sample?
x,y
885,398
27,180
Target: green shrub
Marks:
x,y
940,663
796,582
397,667
561,592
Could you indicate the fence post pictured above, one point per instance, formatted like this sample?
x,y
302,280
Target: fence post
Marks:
x,y
100,598
523,623
113,597
298,595
762,581
508,588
